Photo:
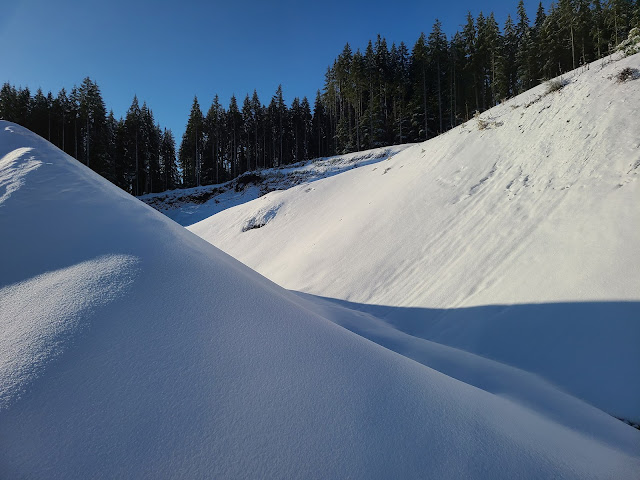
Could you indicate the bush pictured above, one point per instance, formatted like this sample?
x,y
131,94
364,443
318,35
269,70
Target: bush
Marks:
x,y
482,124
627,73
247,178
555,85
631,45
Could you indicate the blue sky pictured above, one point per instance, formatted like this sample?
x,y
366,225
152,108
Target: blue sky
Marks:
x,y
167,52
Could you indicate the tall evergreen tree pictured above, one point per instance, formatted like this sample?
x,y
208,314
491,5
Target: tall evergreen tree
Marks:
x,y
92,118
169,169
320,128
419,68
213,154
437,52
190,152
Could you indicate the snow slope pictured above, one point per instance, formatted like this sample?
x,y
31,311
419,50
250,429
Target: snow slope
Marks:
x,y
191,205
534,207
130,348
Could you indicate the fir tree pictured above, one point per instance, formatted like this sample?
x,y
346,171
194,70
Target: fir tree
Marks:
x,y
190,152
169,169
437,52
419,66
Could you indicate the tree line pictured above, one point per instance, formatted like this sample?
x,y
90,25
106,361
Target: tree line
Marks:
x,y
132,152
380,96
388,95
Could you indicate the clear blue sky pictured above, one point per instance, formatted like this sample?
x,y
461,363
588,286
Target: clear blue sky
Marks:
x,y
167,52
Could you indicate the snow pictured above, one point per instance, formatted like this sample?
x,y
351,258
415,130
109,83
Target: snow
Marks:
x,y
515,237
191,205
131,348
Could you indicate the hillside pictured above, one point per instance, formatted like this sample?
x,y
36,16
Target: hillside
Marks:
x,y
191,205
515,236
131,348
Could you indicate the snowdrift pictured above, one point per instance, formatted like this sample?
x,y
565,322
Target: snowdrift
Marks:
x,y
532,207
131,348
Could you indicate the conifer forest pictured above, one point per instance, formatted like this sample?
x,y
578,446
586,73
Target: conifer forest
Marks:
x,y
373,96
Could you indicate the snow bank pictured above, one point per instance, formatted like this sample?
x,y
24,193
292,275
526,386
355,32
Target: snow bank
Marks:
x,y
135,349
535,203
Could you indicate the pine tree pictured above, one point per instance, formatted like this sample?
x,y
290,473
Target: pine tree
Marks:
x,y
190,152
131,148
383,126
111,150
457,67
437,53
514,68
305,109
213,154
319,127
281,121
471,77
536,45
599,33
341,78
258,126
39,115
92,119
233,126
169,169
400,89
419,66
524,46
249,124
583,28
619,18
8,103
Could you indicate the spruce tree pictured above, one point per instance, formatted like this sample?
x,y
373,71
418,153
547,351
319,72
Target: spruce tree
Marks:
x,y
515,73
471,77
233,124
437,52
419,67
92,119
131,148
169,169
525,49
319,128
213,154
191,147
8,103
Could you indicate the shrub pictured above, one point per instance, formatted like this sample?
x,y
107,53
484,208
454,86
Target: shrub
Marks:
x,y
627,73
482,124
246,178
555,85
631,45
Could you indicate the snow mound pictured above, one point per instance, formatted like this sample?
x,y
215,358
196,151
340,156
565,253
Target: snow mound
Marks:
x,y
532,207
135,349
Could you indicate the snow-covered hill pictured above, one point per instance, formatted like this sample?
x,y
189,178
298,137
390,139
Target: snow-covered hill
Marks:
x,y
131,348
515,236
191,205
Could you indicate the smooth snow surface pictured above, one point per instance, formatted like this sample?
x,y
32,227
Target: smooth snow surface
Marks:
x,y
533,208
